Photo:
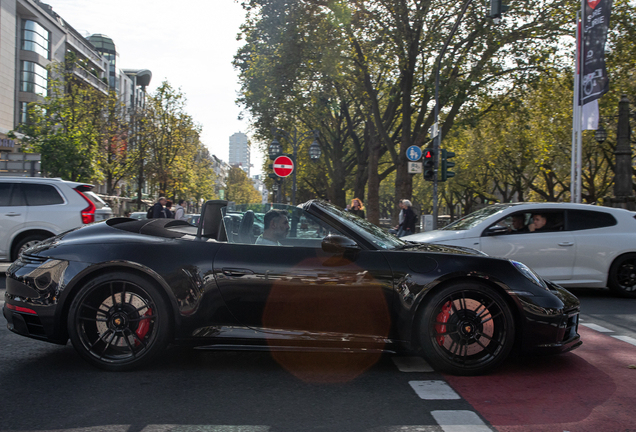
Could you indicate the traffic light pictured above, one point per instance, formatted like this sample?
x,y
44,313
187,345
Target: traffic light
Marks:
x,y
429,164
445,174
497,8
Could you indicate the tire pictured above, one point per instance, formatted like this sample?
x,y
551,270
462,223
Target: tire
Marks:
x,y
466,329
119,321
25,243
622,276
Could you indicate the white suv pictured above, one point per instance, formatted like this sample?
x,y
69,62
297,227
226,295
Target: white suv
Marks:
x,y
33,209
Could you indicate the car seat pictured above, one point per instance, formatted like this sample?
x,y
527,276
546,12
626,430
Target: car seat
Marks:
x,y
245,233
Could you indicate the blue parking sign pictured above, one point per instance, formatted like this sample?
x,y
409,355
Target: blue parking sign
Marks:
x,y
413,153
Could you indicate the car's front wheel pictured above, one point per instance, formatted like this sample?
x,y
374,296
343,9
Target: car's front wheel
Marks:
x,y
466,329
119,321
622,276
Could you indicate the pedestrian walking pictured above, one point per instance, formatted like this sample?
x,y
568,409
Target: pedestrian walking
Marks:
x,y
357,208
179,211
157,211
169,213
407,226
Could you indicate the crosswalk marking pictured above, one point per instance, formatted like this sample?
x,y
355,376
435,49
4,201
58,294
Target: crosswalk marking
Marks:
x,y
411,364
459,421
433,390
597,327
629,340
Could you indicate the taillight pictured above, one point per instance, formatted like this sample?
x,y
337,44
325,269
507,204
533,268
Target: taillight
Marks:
x,y
21,309
88,214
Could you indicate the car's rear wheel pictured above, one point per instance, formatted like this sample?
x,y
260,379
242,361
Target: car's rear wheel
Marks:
x,y
622,276
25,243
119,321
466,329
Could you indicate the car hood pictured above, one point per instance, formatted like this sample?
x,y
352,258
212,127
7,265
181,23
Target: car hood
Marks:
x,y
437,236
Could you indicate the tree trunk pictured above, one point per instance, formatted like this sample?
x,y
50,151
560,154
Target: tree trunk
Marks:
x,y
373,199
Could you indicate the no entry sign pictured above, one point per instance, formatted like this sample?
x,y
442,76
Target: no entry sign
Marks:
x,y
283,166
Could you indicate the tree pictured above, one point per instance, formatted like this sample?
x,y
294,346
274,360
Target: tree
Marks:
x,y
240,188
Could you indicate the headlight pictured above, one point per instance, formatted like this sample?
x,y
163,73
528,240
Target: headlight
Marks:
x,y
530,274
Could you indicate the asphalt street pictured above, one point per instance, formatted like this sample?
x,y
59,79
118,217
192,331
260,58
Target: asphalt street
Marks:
x,y
49,387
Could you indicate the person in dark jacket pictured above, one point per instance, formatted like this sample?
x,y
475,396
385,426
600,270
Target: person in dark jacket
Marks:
x,y
357,208
157,209
407,226
168,209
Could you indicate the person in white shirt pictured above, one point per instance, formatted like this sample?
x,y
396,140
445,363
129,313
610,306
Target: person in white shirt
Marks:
x,y
179,211
276,227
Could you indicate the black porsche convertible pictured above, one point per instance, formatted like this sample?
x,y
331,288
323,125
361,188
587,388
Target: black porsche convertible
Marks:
x,y
123,289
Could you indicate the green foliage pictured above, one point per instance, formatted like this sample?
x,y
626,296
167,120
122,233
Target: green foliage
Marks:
x,y
240,188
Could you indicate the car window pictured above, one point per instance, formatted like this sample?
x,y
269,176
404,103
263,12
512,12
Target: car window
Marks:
x,y
589,219
41,195
99,203
244,224
515,223
5,194
523,223
475,218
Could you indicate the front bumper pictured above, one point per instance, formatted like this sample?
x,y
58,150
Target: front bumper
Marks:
x,y
31,298
551,325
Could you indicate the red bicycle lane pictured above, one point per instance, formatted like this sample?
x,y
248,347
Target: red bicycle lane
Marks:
x,y
589,389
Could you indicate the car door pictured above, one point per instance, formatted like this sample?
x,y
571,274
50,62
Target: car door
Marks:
x,y
551,252
13,215
597,239
297,287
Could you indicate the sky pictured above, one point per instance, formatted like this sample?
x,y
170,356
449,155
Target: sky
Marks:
x,y
189,43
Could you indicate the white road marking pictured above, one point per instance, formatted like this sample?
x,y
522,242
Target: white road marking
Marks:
x,y
629,340
4,267
598,328
433,390
411,364
459,421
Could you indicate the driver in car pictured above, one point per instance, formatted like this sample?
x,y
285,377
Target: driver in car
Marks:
x,y
276,227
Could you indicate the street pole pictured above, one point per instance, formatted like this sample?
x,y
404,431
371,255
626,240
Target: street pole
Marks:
x,y
437,143
295,142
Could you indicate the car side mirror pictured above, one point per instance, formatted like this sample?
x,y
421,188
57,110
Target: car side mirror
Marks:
x,y
338,244
496,230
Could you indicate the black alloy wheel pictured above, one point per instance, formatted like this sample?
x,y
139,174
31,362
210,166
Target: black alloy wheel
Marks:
x,y
119,321
622,276
466,329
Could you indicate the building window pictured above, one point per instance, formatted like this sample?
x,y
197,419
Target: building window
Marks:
x,y
34,78
24,113
36,38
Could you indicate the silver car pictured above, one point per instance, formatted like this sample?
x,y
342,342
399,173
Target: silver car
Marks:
x,y
577,245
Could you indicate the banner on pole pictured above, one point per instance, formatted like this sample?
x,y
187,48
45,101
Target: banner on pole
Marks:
x,y
594,79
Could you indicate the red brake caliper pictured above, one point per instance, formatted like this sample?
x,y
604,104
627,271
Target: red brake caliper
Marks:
x,y
442,317
144,326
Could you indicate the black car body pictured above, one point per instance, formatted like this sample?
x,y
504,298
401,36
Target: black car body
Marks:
x,y
123,289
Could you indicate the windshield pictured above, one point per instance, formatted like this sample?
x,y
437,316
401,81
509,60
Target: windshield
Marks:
x,y
362,227
475,218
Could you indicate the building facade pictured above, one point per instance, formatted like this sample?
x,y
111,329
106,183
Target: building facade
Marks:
x,y
32,36
240,152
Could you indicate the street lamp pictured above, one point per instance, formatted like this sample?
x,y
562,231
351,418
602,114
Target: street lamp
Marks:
x,y
600,135
314,151
275,149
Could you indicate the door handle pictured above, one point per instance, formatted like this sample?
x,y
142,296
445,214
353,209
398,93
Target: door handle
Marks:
x,y
566,244
12,214
234,272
